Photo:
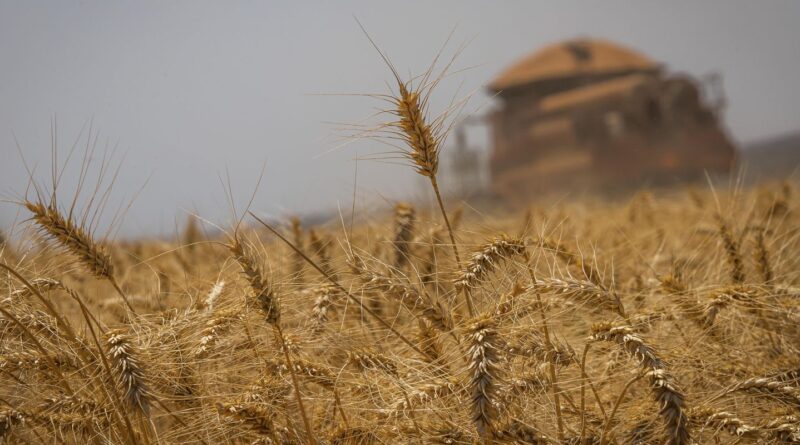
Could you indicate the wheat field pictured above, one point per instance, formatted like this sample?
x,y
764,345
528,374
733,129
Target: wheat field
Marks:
x,y
669,318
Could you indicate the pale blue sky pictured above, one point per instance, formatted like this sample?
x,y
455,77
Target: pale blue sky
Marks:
x,y
190,89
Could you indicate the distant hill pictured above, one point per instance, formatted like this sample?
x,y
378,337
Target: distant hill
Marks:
x,y
774,158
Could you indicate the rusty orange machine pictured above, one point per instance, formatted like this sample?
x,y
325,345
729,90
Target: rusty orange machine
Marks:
x,y
593,114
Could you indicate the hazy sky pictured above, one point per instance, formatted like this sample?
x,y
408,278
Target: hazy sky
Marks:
x,y
188,90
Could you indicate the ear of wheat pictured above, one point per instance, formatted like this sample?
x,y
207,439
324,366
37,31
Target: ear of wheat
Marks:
x,y
517,432
761,256
73,414
321,247
772,387
208,303
254,417
127,370
9,418
313,372
217,324
585,292
784,429
418,134
326,296
364,360
486,260
74,238
77,241
484,373
662,384
732,251
424,394
429,342
404,232
255,276
723,420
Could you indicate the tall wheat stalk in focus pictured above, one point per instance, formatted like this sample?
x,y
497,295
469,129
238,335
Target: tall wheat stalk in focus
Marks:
x,y
421,135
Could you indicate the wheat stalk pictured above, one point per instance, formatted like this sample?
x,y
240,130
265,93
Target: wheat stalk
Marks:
x,y
422,139
297,236
320,247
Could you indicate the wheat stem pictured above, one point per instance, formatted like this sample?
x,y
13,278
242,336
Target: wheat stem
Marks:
x,y
607,426
435,186
309,431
